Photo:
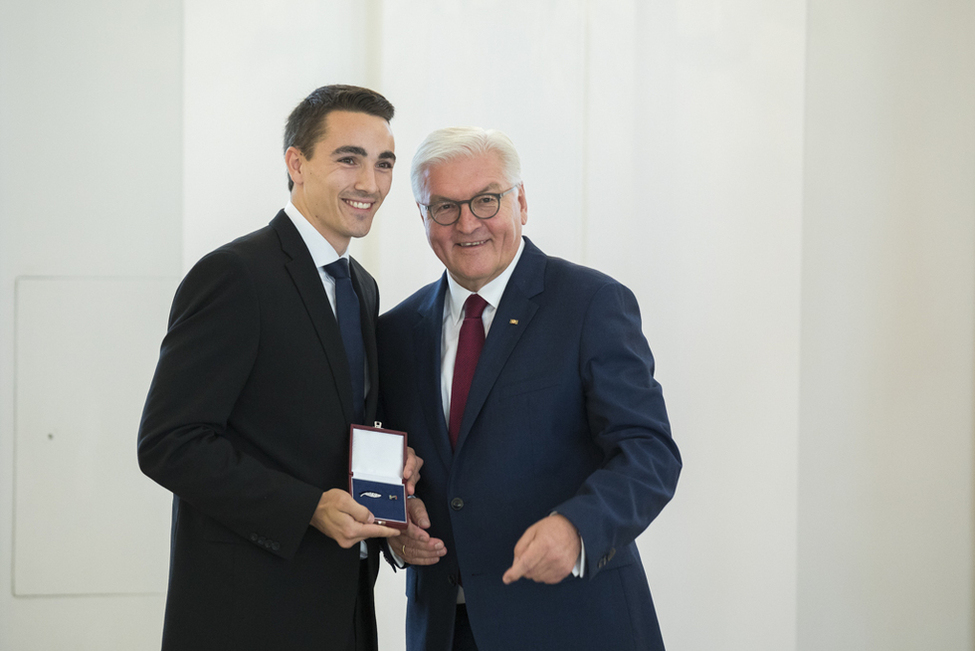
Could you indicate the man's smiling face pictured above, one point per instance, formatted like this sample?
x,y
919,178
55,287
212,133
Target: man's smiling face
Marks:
x,y
341,185
475,251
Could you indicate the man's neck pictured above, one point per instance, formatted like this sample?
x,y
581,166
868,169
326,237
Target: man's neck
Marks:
x,y
323,251
340,244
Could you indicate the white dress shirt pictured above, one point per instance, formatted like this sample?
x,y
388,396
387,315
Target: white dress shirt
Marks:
x,y
322,253
453,319
321,250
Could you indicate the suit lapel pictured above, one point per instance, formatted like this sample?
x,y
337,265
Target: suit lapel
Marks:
x,y
308,282
515,312
427,337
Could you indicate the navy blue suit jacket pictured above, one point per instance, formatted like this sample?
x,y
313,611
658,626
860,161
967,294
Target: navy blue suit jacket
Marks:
x,y
563,414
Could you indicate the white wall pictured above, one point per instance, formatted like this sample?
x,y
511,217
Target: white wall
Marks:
x,y
90,166
885,456
787,186
244,68
722,140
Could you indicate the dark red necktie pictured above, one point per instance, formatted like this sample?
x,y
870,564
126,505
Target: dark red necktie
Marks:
x,y
469,346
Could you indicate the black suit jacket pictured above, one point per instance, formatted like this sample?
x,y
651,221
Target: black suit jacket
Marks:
x,y
247,423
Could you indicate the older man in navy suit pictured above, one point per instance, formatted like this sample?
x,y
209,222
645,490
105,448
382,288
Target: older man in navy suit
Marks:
x,y
526,384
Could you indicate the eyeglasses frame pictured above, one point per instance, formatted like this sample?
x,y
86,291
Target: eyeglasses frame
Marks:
x,y
460,205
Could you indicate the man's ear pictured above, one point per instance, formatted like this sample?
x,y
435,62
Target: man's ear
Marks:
x,y
523,204
294,161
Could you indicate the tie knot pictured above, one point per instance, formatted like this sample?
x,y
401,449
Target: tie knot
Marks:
x,y
338,269
474,306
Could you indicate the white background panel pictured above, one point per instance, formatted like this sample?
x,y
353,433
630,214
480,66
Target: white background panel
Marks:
x,y
886,419
245,67
86,520
532,88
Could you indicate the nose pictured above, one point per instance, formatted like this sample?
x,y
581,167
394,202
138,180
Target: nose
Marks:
x,y
366,180
467,222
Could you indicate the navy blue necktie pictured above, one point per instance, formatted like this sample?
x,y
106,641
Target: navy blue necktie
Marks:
x,y
347,314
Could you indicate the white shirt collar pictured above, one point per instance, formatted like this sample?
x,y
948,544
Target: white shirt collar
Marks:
x,y
492,292
321,251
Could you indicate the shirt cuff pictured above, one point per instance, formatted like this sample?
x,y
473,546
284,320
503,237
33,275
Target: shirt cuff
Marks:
x,y
399,562
580,566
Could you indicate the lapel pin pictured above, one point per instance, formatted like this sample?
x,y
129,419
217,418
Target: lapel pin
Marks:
x,y
513,321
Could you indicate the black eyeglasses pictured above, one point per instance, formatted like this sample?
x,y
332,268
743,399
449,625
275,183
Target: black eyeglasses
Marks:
x,y
483,206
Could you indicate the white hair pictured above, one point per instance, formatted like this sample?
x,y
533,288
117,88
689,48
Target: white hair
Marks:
x,y
453,142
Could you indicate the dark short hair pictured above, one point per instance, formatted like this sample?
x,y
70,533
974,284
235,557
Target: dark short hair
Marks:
x,y
306,124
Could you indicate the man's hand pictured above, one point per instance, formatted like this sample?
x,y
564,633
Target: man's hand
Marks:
x,y
546,552
340,517
411,471
414,545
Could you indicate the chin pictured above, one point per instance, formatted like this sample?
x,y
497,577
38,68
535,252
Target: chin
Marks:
x,y
361,230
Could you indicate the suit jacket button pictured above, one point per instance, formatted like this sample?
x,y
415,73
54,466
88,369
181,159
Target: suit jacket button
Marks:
x,y
253,537
457,504
275,546
451,580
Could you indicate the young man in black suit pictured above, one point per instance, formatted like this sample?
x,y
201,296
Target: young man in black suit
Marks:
x,y
247,419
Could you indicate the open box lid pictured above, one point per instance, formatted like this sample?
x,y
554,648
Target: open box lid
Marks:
x,y
376,460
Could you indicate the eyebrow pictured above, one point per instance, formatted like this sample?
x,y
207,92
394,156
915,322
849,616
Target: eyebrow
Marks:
x,y
490,188
359,151
349,149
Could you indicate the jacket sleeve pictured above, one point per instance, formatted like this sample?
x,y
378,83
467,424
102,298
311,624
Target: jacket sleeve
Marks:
x,y
204,363
628,421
